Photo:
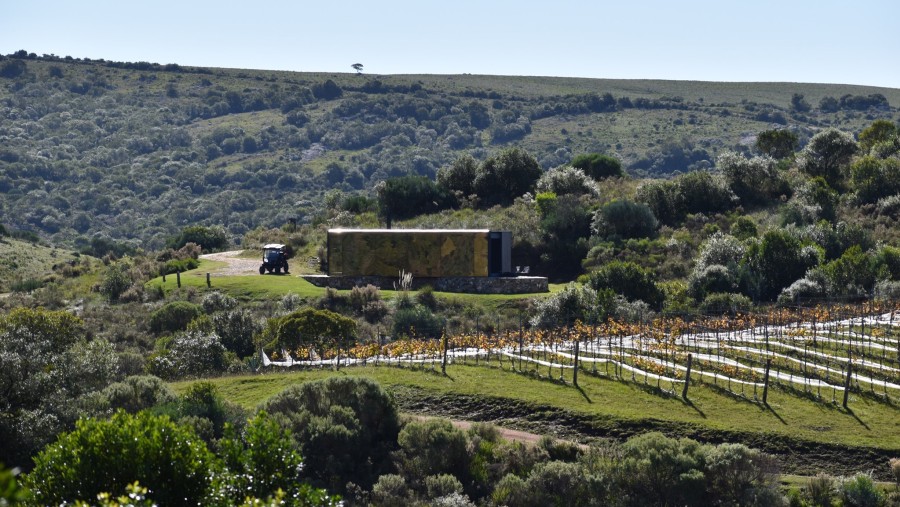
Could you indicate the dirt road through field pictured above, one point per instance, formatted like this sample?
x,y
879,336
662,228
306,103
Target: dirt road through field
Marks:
x,y
236,266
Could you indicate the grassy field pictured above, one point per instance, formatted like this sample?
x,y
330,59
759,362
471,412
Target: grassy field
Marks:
x,y
255,287
609,404
22,263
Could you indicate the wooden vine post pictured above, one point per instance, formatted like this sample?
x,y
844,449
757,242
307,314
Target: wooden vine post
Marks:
x,y
847,382
178,278
687,377
575,371
444,352
766,382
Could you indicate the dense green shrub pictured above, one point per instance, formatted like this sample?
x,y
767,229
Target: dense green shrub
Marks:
x,y
598,165
459,177
391,490
820,490
416,321
873,179
505,176
559,484
854,273
180,265
115,281
860,491
260,461
190,354
432,447
236,329
704,192
410,196
624,219
826,155
137,393
108,455
347,428
720,303
574,302
664,199
210,239
217,301
777,143
629,280
656,470
366,301
47,368
754,181
776,262
311,328
174,316
880,131
567,180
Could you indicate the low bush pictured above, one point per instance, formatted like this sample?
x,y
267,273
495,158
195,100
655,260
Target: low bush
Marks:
x,y
174,316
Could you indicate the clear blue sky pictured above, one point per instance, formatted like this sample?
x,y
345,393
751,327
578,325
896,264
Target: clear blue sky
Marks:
x,y
824,41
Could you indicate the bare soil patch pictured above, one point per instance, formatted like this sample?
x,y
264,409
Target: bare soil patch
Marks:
x,y
236,266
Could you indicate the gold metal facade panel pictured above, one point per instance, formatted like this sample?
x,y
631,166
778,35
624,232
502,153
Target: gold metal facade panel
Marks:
x,y
480,249
424,254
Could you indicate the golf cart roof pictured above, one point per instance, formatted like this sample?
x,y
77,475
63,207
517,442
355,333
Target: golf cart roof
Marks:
x,y
275,246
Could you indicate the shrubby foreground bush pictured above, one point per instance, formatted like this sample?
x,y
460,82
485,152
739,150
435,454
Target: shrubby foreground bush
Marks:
x,y
344,431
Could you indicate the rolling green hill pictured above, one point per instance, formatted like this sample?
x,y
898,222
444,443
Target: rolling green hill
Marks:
x,y
136,151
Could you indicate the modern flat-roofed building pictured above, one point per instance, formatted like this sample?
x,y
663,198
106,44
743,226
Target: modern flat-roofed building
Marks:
x,y
455,260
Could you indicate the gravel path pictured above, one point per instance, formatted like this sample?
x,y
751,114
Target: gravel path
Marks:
x,y
236,266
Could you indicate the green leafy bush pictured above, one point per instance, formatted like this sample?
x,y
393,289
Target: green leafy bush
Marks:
x,y
137,393
108,455
432,447
598,166
860,491
191,354
210,239
174,316
347,428
416,321
629,280
624,219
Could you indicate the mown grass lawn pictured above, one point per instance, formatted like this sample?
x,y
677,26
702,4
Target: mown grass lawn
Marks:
x,y
256,287
870,424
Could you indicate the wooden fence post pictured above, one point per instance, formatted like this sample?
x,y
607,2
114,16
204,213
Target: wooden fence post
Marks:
x,y
208,282
444,353
847,382
178,278
766,382
687,377
575,371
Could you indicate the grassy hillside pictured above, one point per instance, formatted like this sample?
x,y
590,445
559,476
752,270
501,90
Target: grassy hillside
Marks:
x,y
605,408
24,265
134,152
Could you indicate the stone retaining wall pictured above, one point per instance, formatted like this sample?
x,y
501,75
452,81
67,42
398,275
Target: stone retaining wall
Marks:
x,y
470,284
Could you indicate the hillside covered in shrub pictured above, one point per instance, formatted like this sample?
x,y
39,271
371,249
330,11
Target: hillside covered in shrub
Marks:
x,y
93,150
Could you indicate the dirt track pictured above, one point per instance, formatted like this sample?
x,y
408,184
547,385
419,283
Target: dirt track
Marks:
x,y
236,265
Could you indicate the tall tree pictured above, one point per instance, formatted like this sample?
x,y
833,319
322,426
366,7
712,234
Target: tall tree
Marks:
x,y
826,155
777,143
598,165
505,176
